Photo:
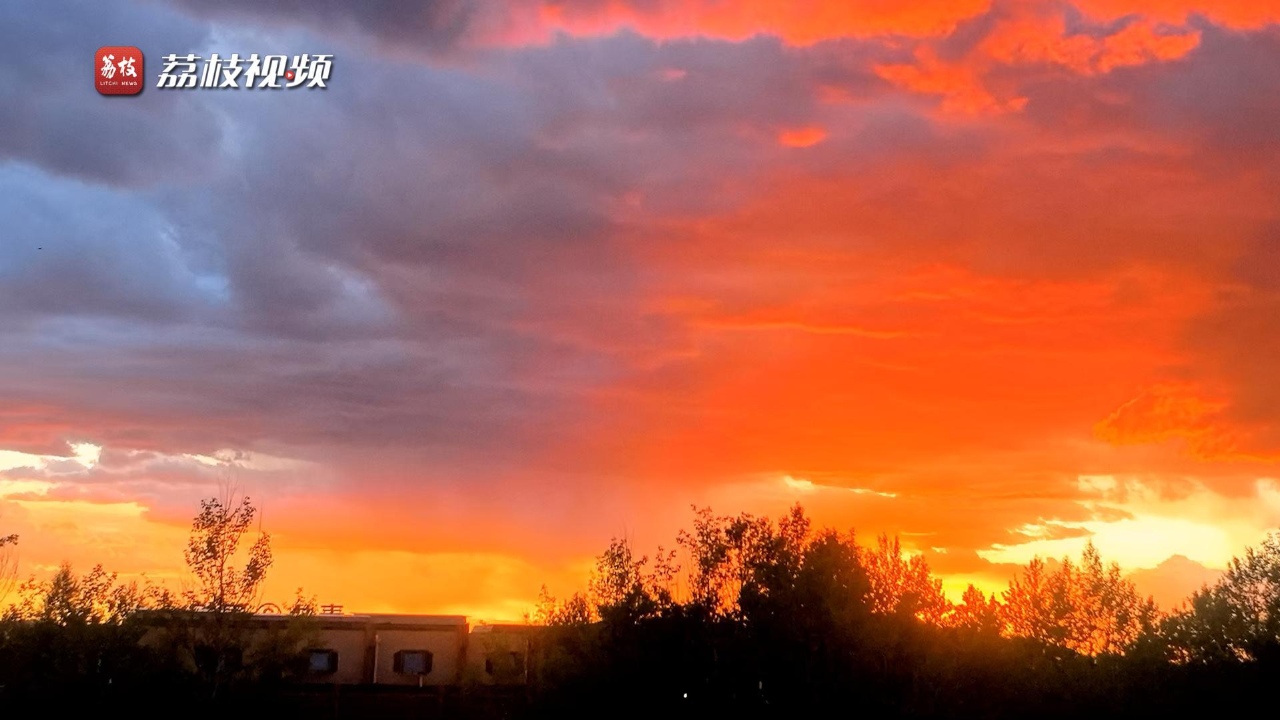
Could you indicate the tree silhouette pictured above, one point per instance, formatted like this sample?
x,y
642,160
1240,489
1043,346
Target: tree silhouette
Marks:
x,y
1238,618
81,638
576,611
211,634
902,585
8,564
715,571
1029,610
977,612
66,599
624,591
1088,608
213,547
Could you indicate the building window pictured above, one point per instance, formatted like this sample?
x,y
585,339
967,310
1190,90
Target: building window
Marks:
x,y
322,662
413,662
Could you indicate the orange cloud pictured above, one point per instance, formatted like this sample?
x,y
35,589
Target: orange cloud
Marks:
x,y
811,21
1031,36
1241,14
801,23
802,137
1139,43
1044,38
1166,412
960,85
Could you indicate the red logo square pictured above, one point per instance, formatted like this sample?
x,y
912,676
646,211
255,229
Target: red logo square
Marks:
x,y
118,70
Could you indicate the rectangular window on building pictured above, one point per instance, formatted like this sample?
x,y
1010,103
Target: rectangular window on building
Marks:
x,y
322,662
413,662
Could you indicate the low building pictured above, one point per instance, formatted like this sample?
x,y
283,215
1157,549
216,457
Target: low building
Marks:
x,y
399,650
414,650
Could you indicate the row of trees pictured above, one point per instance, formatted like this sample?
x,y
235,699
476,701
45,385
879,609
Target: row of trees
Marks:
x,y
779,614
740,566
86,637
745,614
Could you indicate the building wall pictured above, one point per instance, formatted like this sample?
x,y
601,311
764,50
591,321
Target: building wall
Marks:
x,y
445,645
351,645
366,646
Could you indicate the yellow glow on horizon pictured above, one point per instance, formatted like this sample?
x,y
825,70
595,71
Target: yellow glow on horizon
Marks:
x,y
953,586
1141,542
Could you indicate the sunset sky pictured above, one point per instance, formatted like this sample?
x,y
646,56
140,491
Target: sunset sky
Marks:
x,y
999,277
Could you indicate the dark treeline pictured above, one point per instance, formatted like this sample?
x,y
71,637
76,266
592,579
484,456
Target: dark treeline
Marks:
x,y
778,618
747,616
88,642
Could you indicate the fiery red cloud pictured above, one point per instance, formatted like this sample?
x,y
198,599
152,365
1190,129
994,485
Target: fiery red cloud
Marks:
x,y
998,277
